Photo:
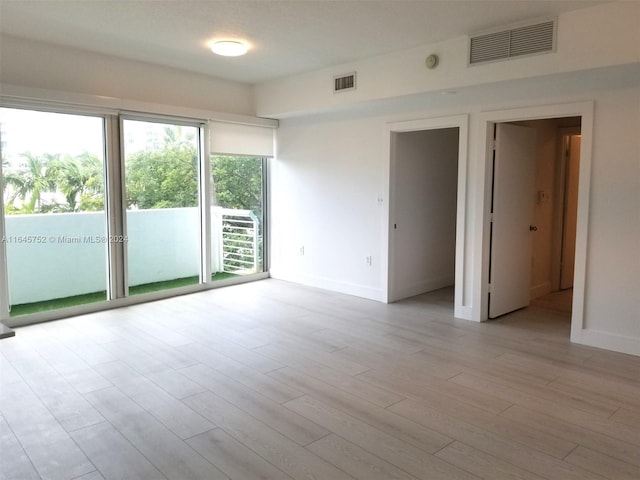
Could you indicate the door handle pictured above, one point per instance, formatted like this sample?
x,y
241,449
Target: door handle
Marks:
x,y
533,228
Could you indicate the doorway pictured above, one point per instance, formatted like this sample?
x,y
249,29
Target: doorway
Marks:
x,y
569,182
534,205
424,210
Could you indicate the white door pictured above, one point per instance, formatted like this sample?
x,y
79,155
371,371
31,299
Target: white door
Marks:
x,y
512,208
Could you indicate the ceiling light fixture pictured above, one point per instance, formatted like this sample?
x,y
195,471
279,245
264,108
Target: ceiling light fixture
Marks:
x,y
229,48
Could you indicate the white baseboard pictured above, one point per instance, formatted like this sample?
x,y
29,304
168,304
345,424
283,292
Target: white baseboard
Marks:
x,y
608,341
424,286
540,290
333,285
462,312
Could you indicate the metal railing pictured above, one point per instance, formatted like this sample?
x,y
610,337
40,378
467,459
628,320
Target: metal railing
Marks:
x,y
240,248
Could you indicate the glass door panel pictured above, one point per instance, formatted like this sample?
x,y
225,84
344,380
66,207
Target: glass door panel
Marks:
x,y
162,216
237,215
54,202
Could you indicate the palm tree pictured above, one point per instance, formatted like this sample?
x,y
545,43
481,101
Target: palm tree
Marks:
x,y
176,137
32,181
78,177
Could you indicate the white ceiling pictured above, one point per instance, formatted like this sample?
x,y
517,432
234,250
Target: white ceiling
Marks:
x,y
286,36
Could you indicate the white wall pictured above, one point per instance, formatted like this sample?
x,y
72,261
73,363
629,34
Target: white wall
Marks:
x,y
325,185
34,64
425,177
333,162
65,256
163,244
332,168
601,36
543,219
54,265
612,312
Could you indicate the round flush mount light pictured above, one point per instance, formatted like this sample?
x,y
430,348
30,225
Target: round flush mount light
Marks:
x,y
229,48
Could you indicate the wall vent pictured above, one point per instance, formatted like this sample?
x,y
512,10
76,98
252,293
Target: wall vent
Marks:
x,y
345,82
516,41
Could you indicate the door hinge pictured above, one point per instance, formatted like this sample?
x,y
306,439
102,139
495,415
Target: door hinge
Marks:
x,y
495,144
489,288
491,217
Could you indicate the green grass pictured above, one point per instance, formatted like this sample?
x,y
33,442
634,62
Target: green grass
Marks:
x,y
223,276
56,303
158,286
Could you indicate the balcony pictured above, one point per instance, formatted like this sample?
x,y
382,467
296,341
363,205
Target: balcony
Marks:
x,y
64,255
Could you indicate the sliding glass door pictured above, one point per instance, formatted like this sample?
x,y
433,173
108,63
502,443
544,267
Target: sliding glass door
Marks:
x,y
55,235
106,207
162,205
237,215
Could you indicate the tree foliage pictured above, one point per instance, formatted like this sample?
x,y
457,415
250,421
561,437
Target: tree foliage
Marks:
x,y
237,182
31,182
79,180
166,178
163,178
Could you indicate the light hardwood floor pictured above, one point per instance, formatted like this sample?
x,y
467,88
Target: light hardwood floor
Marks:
x,y
271,380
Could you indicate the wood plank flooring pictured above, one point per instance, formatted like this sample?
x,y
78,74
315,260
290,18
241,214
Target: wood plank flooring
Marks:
x,y
271,380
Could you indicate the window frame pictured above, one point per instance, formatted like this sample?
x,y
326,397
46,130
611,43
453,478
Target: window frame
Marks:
x,y
115,207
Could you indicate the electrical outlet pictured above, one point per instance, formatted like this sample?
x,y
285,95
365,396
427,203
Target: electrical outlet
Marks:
x,y
302,250
369,261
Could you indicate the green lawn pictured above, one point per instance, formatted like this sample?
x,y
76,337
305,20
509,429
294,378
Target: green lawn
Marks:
x,y
46,305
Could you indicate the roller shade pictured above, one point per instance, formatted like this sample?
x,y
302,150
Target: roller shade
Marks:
x,y
237,139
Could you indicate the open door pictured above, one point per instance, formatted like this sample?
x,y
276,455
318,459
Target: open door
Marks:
x,y
512,213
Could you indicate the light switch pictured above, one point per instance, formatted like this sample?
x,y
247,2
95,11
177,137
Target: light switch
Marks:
x,y
542,196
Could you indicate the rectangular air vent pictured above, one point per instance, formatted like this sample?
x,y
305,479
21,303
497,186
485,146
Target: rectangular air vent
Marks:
x,y
344,82
527,39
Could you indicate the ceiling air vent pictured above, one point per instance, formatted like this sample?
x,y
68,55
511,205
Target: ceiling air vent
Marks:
x,y
527,39
345,82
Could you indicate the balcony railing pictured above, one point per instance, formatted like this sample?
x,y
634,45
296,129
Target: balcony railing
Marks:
x,y
239,241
